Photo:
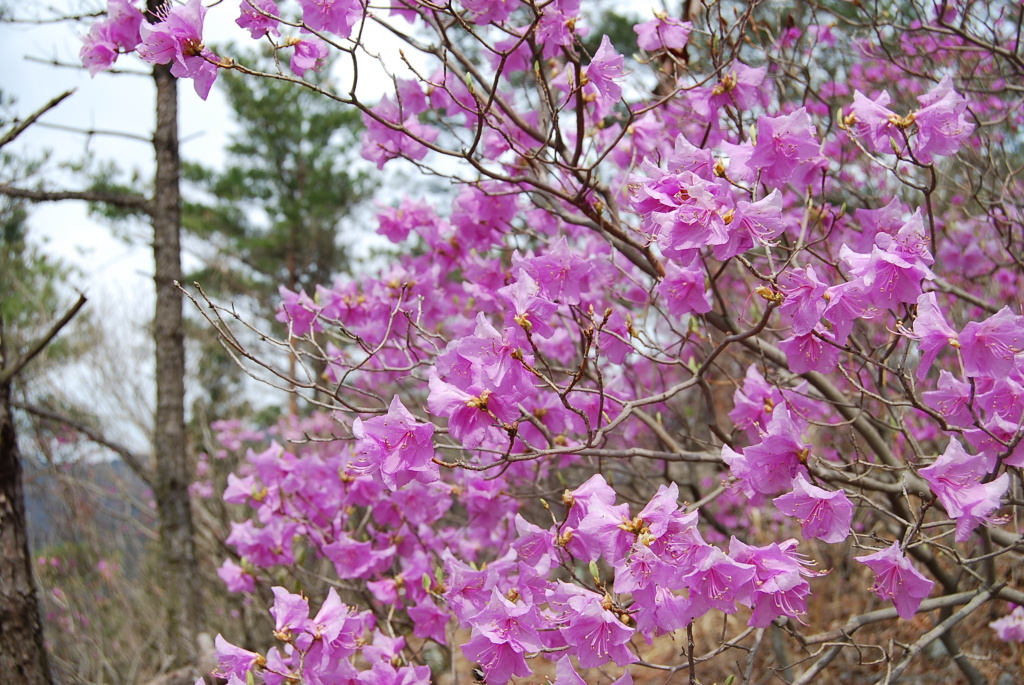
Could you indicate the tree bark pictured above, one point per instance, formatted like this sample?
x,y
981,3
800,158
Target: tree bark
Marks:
x,y
22,653
173,475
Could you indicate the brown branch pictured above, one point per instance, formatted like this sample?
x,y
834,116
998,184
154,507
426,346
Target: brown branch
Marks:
x,y
98,132
115,199
9,372
934,634
134,461
861,620
55,20
20,127
841,637
80,67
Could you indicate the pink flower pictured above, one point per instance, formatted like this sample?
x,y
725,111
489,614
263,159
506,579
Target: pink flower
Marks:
x,y
1010,628
718,582
471,414
603,71
334,16
824,515
873,120
597,496
534,545
778,587
98,52
642,569
298,311
897,579
557,26
659,610
235,577
684,212
741,87
956,479
338,624
428,621
811,351
233,660
596,633
290,611
309,54
488,11
253,17
950,399
754,403
941,123
805,302
602,529
990,348
848,303
684,290
390,133
116,34
772,464
786,150
239,490
893,272
179,39
565,674
559,272
932,332
753,223
529,309
662,33
500,658
396,448
354,559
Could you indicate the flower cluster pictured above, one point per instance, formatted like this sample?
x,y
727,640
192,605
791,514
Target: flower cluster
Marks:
x,y
649,263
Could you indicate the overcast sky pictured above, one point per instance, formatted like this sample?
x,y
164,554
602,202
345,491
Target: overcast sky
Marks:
x,y
116,275
117,102
107,102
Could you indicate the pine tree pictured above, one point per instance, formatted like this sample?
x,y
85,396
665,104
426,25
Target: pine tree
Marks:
x,y
274,215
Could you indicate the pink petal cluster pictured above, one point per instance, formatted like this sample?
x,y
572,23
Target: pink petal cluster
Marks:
x,y
824,515
111,37
957,479
178,41
897,579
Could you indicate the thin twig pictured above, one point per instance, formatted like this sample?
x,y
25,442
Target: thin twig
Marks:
x,y
20,127
9,372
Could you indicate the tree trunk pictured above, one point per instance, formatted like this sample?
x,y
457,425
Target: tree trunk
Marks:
x,y
173,474
22,654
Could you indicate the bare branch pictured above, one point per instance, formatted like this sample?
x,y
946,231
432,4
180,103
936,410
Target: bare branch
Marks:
x,y
9,372
99,132
137,463
20,126
78,66
115,199
934,634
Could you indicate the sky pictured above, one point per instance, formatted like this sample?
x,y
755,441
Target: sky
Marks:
x,y
114,102
114,273
111,102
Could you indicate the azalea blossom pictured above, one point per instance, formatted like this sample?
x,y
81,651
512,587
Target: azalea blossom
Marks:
x,y
956,478
824,515
897,579
178,40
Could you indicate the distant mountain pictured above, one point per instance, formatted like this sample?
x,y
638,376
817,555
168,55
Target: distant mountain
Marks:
x,y
101,505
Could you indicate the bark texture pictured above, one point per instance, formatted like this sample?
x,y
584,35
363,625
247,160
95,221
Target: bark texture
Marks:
x,y
22,654
173,475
